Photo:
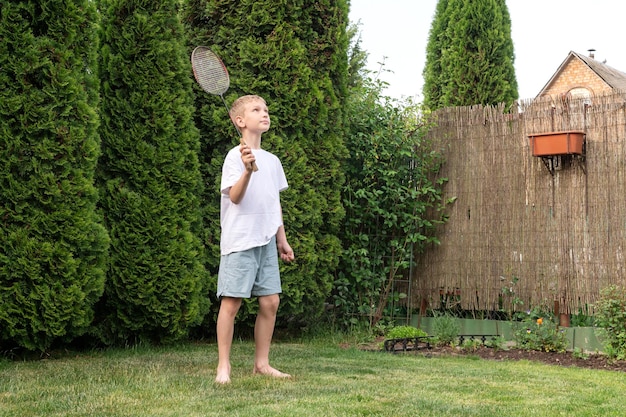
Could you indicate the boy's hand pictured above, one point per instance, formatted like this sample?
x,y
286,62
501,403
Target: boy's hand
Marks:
x,y
285,251
247,157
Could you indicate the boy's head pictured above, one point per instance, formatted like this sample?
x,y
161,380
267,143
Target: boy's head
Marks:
x,y
239,106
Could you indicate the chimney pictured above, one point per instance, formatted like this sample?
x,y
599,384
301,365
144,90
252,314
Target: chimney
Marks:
x,y
591,53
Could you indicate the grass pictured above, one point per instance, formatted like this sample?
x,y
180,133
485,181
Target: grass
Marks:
x,y
328,381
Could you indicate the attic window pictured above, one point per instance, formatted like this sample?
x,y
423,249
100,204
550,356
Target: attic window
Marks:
x,y
579,92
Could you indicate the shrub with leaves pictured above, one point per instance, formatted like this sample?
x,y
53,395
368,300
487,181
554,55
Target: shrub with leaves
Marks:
x,y
539,331
611,318
392,199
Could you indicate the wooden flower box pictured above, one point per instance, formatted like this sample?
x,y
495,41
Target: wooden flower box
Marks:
x,y
557,143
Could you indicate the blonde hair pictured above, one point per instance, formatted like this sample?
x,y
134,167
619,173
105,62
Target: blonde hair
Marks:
x,y
239,105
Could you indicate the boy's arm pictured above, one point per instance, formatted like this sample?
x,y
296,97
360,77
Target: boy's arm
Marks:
x,y
284,249
238,190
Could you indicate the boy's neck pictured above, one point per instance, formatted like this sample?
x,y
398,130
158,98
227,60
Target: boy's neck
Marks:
x,y
252,140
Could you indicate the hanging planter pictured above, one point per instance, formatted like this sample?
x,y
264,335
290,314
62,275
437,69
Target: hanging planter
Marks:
x,y
569,142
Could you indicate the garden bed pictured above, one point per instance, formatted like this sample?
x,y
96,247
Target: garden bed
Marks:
x,y
592,361
567,359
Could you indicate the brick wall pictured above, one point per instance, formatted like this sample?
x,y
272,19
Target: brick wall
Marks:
x,y
576,74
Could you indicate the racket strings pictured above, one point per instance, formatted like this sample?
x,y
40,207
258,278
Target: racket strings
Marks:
x,y
210,72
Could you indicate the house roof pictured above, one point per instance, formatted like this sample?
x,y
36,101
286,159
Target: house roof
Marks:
x,y
614,78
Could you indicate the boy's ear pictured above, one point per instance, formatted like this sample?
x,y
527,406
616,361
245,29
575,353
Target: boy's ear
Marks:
x,y
239,121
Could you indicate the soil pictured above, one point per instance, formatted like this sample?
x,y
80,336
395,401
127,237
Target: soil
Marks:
x,y
567,359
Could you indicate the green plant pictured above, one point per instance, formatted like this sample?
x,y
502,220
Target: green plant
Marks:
x,y
445,329
580,353
382,327
497,343
509,301
471,345
582,318
405,332
538,330
611,318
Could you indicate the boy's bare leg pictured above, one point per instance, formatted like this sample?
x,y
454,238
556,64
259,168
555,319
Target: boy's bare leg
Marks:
x,y
263,331
225,329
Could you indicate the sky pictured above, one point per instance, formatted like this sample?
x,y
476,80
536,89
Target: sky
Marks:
x,y
543,31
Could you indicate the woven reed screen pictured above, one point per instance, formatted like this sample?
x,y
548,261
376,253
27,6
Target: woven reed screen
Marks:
x,y
562,234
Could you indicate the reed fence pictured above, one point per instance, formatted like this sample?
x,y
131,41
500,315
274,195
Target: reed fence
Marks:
x,y
542,232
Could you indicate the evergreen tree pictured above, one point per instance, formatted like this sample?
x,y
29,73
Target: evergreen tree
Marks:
x,y
149,176
357,58
54,246
433,74
470,55
294,54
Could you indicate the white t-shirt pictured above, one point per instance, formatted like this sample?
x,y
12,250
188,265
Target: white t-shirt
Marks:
x,y
256,219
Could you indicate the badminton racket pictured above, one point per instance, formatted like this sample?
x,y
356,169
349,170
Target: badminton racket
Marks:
x,y
212,75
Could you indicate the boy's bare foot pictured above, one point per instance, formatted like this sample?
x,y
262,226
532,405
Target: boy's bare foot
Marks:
x,y
269,371
223,376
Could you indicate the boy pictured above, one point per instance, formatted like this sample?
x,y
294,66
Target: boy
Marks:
x,y
252,236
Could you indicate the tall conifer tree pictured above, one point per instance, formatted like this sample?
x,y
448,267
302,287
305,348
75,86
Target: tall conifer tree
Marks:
x,y
149,175
53,246
437,42
470,55
294,54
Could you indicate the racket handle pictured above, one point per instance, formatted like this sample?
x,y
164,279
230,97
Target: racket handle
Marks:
x,y
255,168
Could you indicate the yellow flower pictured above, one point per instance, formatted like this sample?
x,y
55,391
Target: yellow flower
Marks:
x,y
540,321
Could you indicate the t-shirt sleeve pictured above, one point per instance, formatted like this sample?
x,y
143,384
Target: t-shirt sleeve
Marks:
x,y
231,170
281,179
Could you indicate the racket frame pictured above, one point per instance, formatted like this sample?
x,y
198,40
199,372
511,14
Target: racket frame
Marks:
x,y
212,76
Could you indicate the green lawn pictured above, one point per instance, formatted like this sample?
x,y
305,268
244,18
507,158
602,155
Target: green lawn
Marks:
x,y
328,381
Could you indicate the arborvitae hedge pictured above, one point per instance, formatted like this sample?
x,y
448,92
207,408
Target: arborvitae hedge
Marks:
x,y
52,245
294,54
149,176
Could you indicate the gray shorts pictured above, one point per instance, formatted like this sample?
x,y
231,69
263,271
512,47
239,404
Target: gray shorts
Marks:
x,y
250,273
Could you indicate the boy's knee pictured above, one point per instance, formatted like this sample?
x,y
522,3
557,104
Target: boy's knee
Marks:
x,y
230,306
269,303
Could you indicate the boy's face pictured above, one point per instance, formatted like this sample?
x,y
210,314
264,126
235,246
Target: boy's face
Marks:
x,y
255,117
